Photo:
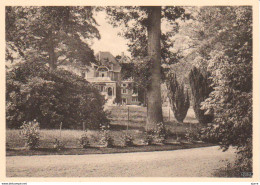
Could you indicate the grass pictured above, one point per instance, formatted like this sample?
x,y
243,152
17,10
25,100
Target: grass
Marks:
x,y
70,138
137,117
119,124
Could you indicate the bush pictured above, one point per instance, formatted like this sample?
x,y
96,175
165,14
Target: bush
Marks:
x,y
106,138
200,89
84,141
179,100
193,134
51,97
128,140
30,131
58,145
242,167
156,136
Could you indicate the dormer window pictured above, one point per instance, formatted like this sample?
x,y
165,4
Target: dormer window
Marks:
x,y
102,71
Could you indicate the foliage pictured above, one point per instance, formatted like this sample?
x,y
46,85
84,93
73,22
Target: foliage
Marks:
x,y
134,21
231,170
51,97
156,136
52,34
193,134
106,138
84,141
30,131
127,70
200,89
141,73
128,140
226,50
58,145
179,100
149,138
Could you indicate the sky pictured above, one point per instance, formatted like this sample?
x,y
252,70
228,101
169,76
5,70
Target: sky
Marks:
x,y
109,41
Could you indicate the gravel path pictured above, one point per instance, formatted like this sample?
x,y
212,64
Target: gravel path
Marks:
x,y
198,162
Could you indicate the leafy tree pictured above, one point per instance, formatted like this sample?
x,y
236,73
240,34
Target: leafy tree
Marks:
x,y
179,100
148,44
127,70
50,34
33,92
225,50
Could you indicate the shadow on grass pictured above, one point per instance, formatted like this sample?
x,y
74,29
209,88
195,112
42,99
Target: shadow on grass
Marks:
x,y
102,150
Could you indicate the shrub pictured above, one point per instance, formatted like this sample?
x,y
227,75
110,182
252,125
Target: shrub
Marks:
x,y
58,145
128,140
30,131
84,141
200,89
51,97
193,134
149,138
156,136
106,139
179,100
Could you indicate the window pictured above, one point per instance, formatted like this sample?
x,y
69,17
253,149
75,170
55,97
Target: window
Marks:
x,y
102,74
124,85
124,101
135,99
109,91
124,91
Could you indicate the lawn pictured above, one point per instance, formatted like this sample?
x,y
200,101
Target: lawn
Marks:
x,y
137,117
120,124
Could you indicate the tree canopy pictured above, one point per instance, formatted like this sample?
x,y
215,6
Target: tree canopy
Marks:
x,y
51,34
223,43
33,92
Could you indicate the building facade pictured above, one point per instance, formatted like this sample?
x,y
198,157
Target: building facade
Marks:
x,y
106,76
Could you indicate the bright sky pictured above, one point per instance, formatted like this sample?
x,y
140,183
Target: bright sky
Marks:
x,y
109,41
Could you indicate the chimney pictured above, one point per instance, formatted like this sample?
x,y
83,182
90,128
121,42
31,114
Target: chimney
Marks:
x,y
122,54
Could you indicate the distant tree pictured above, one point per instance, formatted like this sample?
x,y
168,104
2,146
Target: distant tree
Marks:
x,y
127,70
179,100
146,42
200,90
50,34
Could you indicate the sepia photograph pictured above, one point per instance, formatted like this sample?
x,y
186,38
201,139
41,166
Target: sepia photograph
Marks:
x,y
129,91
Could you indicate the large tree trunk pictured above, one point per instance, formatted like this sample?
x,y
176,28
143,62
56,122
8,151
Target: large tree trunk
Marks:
x,y
154,105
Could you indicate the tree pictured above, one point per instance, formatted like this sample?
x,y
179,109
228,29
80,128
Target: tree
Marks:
x,y
154,110
225,50
200,88
147,43
51,34
33,92
179,100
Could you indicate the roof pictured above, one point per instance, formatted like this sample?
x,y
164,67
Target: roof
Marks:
x,y
107,59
